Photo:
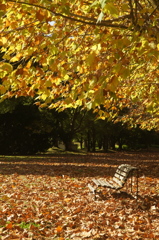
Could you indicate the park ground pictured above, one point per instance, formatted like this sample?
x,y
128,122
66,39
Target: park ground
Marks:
x,y
46,197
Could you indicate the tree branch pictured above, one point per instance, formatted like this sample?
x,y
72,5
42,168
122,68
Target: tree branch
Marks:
x,y
154,11
132,12
85,20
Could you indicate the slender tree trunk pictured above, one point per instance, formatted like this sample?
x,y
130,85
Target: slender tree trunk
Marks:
x,y
105,144
88,142
94,141
81,143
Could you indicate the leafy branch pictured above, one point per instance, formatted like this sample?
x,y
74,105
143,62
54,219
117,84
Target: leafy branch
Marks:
x,y
77,18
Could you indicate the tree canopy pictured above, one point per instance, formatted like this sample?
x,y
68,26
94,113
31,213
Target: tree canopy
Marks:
x,y
100,54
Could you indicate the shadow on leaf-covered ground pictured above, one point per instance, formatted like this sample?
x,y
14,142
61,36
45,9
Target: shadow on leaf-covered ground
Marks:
x,y
88,165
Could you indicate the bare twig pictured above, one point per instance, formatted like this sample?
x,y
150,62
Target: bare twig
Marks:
x,y
29,25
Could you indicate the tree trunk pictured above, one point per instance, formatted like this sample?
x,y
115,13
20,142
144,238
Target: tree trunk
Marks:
x,y
68,145
88,142
105,145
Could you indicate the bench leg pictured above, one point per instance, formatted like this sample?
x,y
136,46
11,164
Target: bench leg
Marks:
x,y
137,183
93,190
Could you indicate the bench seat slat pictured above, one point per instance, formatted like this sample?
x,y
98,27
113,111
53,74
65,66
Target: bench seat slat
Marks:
x,y
119,182
122,173
96,182
119,177
104,183
109,184
115,185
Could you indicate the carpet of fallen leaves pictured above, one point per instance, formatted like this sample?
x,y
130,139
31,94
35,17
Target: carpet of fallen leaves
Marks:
x,y
46,197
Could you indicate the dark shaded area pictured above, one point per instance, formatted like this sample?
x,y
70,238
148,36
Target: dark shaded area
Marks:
x,y
90,165
18,131
25,130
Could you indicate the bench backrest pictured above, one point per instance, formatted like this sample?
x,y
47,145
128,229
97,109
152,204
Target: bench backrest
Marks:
x,y
122,173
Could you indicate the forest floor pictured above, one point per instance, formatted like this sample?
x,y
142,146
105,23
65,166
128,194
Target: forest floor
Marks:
x,y
46,197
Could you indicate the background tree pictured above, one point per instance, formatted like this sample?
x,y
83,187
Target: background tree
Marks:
x,y
27,129
23,130
68,124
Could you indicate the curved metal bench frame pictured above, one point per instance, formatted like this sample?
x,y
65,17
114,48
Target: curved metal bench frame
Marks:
x,y
123,172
